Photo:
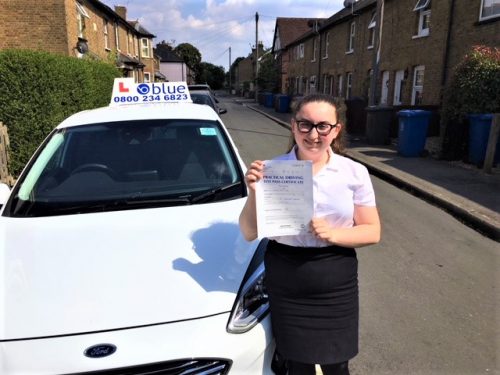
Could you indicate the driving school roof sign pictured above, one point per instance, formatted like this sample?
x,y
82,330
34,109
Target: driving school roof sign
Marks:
x,y
126,91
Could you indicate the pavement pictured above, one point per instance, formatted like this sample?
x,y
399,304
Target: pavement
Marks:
x,y
465,191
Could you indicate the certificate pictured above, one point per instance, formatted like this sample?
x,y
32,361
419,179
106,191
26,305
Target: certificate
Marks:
x,y
284,198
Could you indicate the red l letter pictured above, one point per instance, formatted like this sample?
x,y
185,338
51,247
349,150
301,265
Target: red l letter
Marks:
x,y
122,88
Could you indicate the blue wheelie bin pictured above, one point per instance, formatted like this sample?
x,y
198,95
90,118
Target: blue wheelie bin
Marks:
x,y
412,133
283,103
479,133
268,99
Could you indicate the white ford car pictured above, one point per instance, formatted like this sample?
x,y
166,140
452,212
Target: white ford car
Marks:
x,y
120,251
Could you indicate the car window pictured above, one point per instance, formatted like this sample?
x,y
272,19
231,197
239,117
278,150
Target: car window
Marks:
x,y
125,165
198,98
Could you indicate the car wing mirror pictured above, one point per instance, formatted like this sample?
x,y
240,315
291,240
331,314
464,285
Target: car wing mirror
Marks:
x,y
222,110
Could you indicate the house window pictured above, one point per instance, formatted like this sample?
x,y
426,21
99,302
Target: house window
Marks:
x,y
117,37
145,47
147,77
421,4
106,35
371,30
352,33
315,49
297,85
129,42
489,9
340,83
418,85
348,85
312,85
81,14
301,50
424,17
327,44
326,84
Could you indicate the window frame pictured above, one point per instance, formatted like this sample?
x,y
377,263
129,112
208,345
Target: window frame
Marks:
x,y
145,47
371,30
315,48
105,31
481,10
327,44
421,4
415,87
117,36
352,34
81,14
348,82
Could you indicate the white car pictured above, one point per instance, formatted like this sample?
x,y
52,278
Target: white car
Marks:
x,y
120,251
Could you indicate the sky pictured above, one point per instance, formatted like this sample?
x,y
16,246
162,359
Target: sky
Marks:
x,y
217,27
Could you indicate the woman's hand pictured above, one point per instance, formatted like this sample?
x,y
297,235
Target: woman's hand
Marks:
x,y
322,230
248,216
254,174
366,229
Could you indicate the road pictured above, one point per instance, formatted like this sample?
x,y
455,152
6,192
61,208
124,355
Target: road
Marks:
x,y
429,291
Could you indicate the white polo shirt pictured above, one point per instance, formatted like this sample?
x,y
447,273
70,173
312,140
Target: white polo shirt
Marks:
x,y
337,187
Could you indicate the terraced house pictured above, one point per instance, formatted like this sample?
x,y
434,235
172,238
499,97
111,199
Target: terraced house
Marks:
x,y
79,28
413,50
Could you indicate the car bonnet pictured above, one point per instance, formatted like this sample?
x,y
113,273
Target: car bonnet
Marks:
x,y
91,272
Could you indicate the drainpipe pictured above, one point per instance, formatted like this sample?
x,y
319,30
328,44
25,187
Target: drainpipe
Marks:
x,y
376,51
444,76
318,80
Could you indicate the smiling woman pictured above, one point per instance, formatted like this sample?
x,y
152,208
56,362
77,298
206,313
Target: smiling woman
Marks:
x,y
313,275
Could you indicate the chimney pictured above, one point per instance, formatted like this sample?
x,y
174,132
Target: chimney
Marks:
x,y
121,11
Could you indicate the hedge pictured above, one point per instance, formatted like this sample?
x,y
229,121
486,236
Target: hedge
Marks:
x,y
38,90
473,88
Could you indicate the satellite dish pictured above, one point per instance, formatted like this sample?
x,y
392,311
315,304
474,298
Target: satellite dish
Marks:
x,y
348,3
82,46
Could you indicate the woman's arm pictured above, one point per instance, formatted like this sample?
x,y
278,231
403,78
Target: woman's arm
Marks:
x,y
248,216
366,229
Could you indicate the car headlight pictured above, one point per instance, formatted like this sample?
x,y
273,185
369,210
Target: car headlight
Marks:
x,y
251,303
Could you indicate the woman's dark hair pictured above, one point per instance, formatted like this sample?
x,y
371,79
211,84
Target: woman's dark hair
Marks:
x,y
338,143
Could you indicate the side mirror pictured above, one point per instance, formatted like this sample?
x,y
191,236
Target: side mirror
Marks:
x,y
222,110
4,193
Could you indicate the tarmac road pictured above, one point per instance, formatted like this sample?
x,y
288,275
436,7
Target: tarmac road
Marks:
x,y
428,291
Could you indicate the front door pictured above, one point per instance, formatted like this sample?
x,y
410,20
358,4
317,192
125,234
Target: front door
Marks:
x,y
398,86
385,87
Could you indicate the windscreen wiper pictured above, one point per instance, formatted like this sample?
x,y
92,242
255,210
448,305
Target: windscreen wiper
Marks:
x,y
213,192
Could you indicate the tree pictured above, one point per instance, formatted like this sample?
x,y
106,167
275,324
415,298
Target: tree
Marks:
x,y
212,75
163,46
268,73
191,56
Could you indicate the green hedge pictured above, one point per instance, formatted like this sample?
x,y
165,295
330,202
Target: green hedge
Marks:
x,y
38,90
473,88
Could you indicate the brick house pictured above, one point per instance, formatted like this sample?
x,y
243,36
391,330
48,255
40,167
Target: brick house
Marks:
x,y
286,31
79,28
244,73
421,42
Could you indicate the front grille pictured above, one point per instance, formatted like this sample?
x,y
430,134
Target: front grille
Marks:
x,y
192,366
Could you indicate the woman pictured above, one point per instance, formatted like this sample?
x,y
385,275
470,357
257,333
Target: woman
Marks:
x,y
312,279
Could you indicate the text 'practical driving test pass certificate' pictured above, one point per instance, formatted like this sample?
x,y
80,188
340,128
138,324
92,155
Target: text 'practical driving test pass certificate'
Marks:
x,y
284,198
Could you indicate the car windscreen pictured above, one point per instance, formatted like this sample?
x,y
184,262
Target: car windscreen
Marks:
x,y
126,165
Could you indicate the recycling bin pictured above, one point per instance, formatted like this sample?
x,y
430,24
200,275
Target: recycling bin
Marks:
x,y
268,100
378,125
283,103
479,133
412,132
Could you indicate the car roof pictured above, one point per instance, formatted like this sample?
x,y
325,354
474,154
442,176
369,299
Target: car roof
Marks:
x,y
188,111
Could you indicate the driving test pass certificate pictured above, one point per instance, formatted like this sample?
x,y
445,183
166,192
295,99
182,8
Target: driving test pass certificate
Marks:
x,y
284,198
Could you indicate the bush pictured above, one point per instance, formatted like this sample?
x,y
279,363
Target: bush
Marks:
x,y
38,90
473,88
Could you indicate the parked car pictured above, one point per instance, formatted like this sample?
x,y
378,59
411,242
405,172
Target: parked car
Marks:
x,y
121,251
206,97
